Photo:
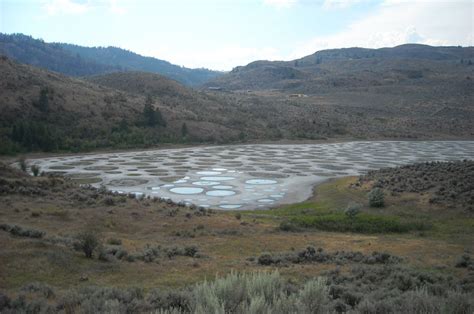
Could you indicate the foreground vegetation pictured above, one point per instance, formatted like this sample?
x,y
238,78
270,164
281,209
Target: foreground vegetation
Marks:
x,y
387,291
72,249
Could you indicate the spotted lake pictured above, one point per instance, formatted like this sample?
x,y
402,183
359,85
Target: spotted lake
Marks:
x,y
244,176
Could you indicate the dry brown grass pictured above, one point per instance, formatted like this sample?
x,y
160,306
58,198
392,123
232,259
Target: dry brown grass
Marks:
x,y
225,242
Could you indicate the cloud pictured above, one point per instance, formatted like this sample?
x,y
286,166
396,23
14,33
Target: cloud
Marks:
x,y
340,4
77,7
397,22
55,7
280,4
116,8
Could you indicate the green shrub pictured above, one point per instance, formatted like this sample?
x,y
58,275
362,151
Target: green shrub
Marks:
x,y
362,223
87,243
102,254
352,210
21,231
191,251
40,288
288,226
312,255
376,198
314,296
23,165
35,169
109,200
464,261
114,241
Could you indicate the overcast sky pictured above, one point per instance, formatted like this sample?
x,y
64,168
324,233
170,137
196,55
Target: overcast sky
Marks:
x,y
222,34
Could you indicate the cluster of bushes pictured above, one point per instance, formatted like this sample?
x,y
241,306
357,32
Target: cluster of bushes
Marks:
x,y
397,289
235,293
376,198
364,289
88,243
465,261
312,255
21,231
16,183
149,253
361,223
450,183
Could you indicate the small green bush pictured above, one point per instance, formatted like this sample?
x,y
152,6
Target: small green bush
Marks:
x,y
352,210
376,198
21,231
464,261
109,200
87,243
288,226
23,165
35,169
114,241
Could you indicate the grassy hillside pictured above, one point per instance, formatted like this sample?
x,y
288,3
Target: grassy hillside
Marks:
x,y
129,60
365,98
151,254
47,111
82,61
329,71
53,57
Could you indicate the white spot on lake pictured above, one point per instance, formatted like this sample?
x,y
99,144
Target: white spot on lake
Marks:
x,y
187,190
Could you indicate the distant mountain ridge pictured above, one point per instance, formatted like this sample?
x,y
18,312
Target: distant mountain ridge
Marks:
x,y
77,60
347,67
128,60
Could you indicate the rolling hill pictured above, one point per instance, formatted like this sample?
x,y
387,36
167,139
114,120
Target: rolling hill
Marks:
x,y
47,111
76,60
336,69
342,97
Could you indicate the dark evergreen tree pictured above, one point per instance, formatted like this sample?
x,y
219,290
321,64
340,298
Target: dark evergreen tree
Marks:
x,y
149,113
43,101
184,130
159,118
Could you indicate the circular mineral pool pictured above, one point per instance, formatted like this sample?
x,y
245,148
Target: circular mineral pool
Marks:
x,y
205,183
217,178
209,173
230,206
222,187
260,181
186,190
220,193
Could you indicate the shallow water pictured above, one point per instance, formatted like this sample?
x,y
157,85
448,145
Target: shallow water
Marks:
x,y
245,176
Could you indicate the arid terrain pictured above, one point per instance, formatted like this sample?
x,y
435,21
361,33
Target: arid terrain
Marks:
x,y
150,254
405,92
380,140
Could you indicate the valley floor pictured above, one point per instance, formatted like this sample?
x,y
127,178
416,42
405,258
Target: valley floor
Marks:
x,y
165,247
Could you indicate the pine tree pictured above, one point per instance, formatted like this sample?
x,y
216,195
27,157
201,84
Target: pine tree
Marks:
x,y
184,130
149,113
43,102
